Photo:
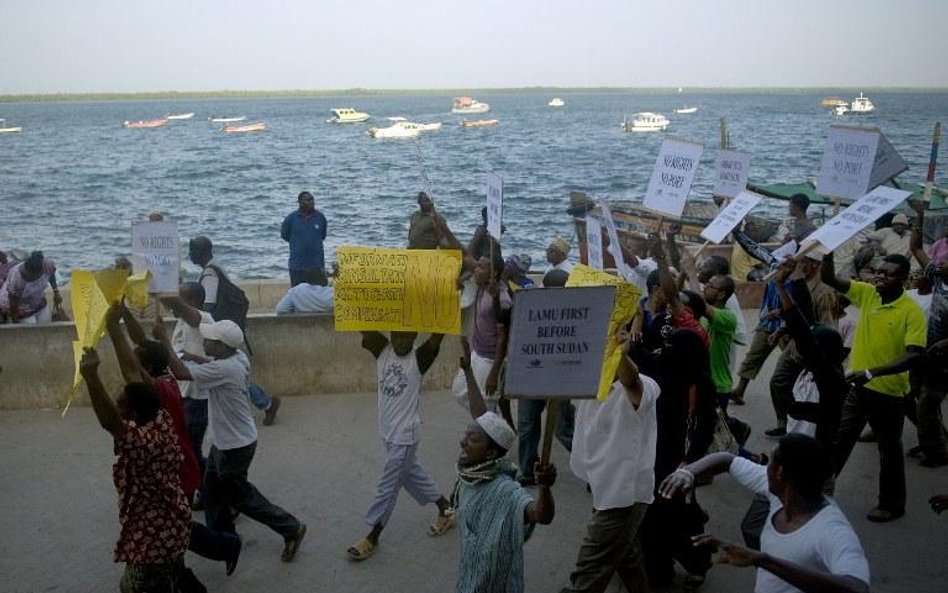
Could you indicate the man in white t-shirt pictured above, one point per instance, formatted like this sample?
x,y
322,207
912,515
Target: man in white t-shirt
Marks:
x,y
312,295
400,369
614,452
807,543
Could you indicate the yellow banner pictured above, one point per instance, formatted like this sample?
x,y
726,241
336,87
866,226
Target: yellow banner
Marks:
x,y
397,290
626,304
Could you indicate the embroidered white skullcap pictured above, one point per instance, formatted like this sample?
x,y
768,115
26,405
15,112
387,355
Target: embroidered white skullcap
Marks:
x,y
497,428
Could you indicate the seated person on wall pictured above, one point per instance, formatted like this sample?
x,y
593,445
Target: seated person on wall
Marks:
x,y
313,295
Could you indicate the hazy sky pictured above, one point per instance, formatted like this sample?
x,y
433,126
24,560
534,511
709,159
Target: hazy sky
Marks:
x,y
152,45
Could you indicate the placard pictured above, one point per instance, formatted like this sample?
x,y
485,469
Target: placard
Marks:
x,y
731,216
397,290
848,157
672,176
593,242
495,205
858,216
615,247
558,341
731,169
155,246
888,163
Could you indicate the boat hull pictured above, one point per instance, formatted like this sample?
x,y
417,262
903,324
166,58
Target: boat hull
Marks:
x,y
180,116
483,108
147,124
11,130
479,123
260,127
226,120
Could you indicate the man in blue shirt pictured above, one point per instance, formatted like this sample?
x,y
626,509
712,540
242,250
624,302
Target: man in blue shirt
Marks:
x,y
305,230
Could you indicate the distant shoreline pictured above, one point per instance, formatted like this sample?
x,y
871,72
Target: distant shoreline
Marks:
x,y
355,92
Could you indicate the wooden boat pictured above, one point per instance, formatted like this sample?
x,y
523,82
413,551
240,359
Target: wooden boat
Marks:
x,y
257,127
479,123
145,124
226,120
180,116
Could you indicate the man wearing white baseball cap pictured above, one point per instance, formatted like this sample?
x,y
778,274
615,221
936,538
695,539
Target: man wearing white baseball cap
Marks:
x,y
895,238
233,434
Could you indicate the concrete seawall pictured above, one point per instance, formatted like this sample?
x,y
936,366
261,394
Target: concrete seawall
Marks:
x,y
293,355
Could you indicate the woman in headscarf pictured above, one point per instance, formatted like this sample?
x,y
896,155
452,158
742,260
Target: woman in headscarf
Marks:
x,y
23,295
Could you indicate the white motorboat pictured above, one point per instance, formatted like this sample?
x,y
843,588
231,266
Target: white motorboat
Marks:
x,y
861,106
347,115
8,130
686,110
466,105
226,120
841,109
422,127
646,121
180,116
556,102
400,129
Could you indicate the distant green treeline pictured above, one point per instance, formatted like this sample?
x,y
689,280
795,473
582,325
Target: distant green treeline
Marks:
x,y
300,93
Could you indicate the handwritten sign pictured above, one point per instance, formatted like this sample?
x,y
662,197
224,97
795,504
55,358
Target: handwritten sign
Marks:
x,y
623,309
731,216
672,176
397,290
731,168
614,245
848,157
888,163
858,216
155,246
594,242
558,341
495,205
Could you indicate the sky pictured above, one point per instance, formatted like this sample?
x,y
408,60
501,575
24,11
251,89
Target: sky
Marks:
x,y
72,46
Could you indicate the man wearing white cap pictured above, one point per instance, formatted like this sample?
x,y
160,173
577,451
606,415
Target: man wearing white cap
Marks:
x,y
896,238
233,435
496,515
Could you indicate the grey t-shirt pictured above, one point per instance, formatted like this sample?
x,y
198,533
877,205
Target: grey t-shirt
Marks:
x,y
229,418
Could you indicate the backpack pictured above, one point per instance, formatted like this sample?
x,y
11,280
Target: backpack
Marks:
x,y
232,303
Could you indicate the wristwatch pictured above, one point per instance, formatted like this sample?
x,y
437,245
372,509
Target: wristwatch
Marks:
x,y
868,374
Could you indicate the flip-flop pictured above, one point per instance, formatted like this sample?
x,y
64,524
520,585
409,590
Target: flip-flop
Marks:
x,y
361,550
441,525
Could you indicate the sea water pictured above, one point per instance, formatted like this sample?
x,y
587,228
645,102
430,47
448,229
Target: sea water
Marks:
x,y
74,179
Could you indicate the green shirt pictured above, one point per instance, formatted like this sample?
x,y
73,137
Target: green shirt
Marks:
x,y
721,330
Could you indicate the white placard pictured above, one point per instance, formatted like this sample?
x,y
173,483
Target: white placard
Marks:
x,y
858,216
593,242
558,341
672,177
731,216
888,163
155,245
495,205
614,245
731,168
848,157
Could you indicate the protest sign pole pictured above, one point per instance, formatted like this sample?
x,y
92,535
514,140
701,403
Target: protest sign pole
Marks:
x,y
700,249
799,254
724,141
930,179
549,428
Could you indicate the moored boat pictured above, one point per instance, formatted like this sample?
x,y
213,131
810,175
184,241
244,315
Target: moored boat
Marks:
x,y
861,106
9,129
831,102
841,109
479,123
226,120
645,121
145,124
686,110
347,115
556,102
180,116
400,129
466,105
256,127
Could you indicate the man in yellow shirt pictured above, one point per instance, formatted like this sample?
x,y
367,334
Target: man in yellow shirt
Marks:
x,y
890,339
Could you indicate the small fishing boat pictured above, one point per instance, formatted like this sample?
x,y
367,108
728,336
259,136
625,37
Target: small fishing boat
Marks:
x,y
686,110
347,115
479,123
861,106
226,120
556,102
145,124
467,105
841,109
400,129
7,129
645,121
257,127
832,102
434,126
180,116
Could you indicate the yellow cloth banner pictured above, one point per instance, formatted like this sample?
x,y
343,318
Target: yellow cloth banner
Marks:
x,y
626,304
397,290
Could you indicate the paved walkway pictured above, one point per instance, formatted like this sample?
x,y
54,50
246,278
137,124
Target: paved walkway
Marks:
x,y
58,518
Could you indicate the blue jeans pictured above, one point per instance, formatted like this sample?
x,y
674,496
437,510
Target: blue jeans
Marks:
x,y
258,397
530,427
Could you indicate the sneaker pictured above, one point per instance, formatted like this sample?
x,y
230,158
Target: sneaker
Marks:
x,y
270,415
776,432
292,544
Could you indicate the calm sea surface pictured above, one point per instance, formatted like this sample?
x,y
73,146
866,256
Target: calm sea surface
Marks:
x,y
74,179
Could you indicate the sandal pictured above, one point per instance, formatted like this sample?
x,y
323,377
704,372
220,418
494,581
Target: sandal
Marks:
x,y
292,544
441,524
361,550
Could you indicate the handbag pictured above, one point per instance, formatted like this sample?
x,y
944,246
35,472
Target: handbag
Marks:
x,y
722,441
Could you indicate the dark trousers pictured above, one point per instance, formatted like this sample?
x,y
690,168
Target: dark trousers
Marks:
x,y
931,429
210,544
226,487
666,536
530,428
195,414
886,415
297,277
611,546
781,383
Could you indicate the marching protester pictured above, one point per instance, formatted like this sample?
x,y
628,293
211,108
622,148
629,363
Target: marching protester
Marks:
x,y
305,230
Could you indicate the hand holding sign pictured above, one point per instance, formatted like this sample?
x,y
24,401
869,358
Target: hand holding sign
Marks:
x,y
495,205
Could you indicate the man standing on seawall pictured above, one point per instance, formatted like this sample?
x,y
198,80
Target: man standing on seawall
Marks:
x,y
305,230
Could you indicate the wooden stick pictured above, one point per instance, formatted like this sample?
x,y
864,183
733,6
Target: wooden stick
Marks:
x,y
700,249
932,161
724,142
549,427
801,253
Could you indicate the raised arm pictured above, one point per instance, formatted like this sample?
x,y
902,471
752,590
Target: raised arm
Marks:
x,y
628,372
128,362
543,509
175,364
105,409
665,278
374,342
428,352
182,310
918,250
475,399
829,277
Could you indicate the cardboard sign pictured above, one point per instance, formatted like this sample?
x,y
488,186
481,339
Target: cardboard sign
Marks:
x,y
731,169
593,242
155,247
731,216
495,205
858,216
672,177
848,158
614,246
558,341
623,309
397,290
887,165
